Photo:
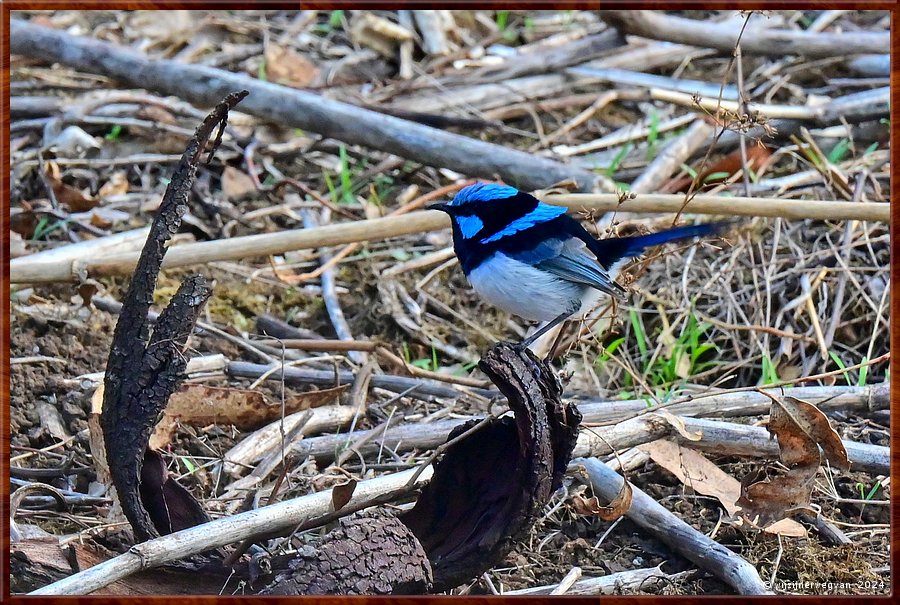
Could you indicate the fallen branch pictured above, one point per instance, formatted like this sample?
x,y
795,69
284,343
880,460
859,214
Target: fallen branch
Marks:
x,y
716,436
722,36
627,582
296,108
236,248
220,532
678,535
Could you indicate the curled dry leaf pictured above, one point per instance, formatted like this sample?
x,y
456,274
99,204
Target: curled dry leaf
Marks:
x,y
342,493
617,507
814,423
800,428
69,196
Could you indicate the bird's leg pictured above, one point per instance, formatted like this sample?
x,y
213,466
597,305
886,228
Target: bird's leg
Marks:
x,y
545,328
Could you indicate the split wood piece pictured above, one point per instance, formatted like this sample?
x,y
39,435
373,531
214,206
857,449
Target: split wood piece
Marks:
x,y
296,108
220,532
755,40
553,59
38,562
265,441
726,565
142,373
236,248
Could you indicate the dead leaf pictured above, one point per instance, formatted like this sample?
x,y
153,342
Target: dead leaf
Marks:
x,y
200,405
116,185
694,470
69,196
787,528
286,66
341,494
677,423
616,508
721,170
814,423
236,184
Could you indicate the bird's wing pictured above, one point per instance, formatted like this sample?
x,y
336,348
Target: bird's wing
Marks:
x,y
570,259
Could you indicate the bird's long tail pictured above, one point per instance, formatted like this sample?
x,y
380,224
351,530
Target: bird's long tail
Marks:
x,y
613,249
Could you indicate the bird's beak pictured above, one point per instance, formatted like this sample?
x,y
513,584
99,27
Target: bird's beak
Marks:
x,y
442,206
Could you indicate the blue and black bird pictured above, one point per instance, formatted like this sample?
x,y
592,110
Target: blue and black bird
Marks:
x,y
532,259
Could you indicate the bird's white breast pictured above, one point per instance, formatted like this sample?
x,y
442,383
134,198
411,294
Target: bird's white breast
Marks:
x,y
521,289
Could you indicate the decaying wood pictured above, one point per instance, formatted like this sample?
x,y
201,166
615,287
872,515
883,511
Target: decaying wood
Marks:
x,y
615,583
678,535
142,373
490,487
369,553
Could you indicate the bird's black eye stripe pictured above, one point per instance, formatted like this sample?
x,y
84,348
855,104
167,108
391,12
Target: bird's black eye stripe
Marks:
x,y
497,214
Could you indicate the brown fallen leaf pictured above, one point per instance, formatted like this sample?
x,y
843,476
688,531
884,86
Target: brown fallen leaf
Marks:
x,y
286,66
69,196
813,422
721,170
116,185
342,493
617,507
200,405
236,184
694,470
774,498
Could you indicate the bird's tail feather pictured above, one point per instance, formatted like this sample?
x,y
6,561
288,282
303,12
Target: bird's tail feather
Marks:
x,y
613,249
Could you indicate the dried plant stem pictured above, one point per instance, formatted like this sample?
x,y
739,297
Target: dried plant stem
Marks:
x,y
24,271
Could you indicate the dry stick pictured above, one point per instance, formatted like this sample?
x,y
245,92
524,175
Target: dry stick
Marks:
x,y
296,108
202,538
236,248
773,42
868,105
678,535
415,204
613,584
718,436
672,157
329,290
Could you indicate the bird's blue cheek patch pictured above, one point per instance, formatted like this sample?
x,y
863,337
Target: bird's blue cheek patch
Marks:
x,y
541,214
469,226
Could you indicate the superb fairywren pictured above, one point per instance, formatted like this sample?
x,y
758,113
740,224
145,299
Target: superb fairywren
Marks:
x,y
533,260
